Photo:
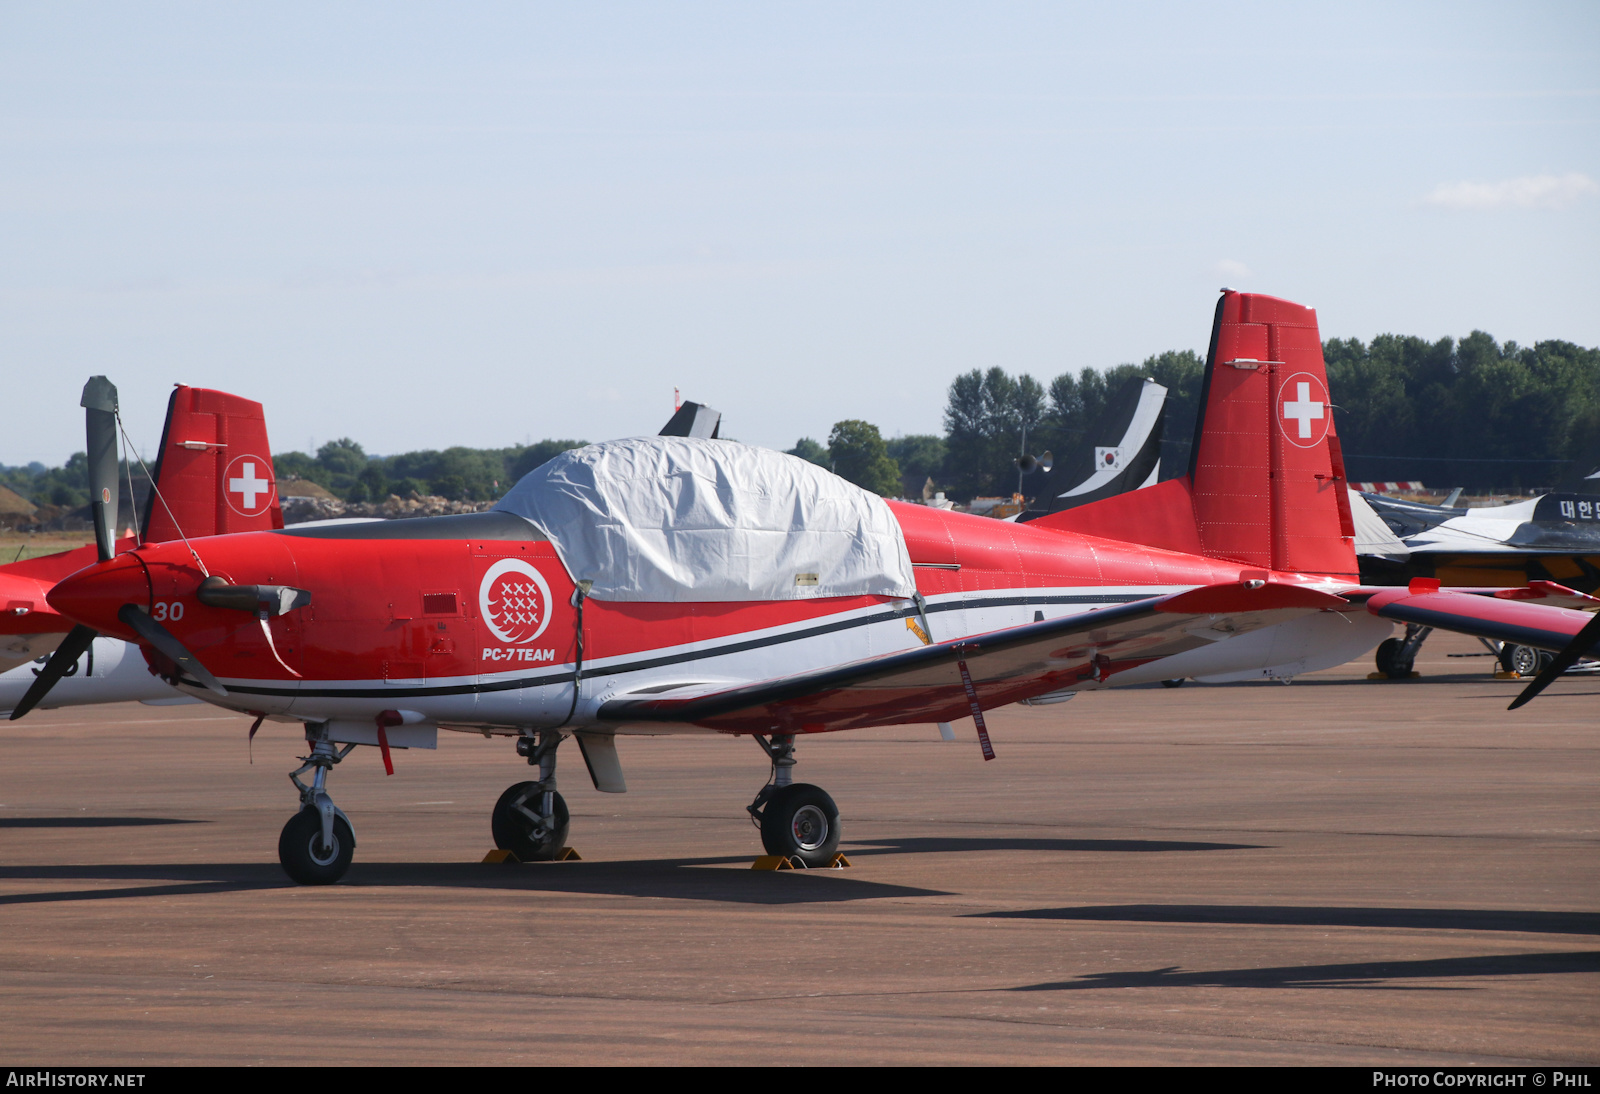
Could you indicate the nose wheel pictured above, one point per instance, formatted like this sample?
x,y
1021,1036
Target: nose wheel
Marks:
x,y
317,844
306,857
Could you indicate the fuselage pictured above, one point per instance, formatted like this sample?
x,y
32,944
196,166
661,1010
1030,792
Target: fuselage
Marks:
x,y
473,622
109,671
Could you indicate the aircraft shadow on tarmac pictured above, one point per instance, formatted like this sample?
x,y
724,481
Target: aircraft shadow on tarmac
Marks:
x,y
1369,975
929,844
89,822
683,879
1446,919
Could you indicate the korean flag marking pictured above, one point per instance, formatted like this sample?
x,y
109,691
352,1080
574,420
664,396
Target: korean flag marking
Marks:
x,y
1108,459
515,601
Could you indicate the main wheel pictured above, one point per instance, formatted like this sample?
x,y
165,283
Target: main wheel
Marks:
x,y
304,856
800,821
1388,660
1174,683
1522,660
513,829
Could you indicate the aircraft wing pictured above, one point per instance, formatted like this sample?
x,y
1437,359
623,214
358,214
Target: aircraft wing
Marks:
x,y
1506,616
925,685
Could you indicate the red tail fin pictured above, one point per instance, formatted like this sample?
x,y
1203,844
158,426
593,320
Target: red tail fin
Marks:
x,y
1266,483
214,470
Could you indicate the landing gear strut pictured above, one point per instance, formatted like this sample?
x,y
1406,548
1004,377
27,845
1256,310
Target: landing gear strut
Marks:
x,y
530,820
317,844
797,820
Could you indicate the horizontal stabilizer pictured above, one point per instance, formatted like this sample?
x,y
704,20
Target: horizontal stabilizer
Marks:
x,y
1524,622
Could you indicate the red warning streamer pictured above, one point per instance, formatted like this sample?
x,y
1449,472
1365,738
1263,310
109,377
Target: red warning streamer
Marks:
x,y
977,711
386,719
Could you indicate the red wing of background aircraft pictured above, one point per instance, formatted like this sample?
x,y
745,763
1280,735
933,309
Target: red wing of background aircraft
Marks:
x,y
687,584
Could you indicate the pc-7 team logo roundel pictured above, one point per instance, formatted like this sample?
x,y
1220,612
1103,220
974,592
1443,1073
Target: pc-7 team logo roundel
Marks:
x,y
1304,413
515,601
247,485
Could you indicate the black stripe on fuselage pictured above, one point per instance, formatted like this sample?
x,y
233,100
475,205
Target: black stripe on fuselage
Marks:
x,y
489,526
694,655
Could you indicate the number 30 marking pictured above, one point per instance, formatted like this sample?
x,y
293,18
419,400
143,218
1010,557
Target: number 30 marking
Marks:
x,y
165,611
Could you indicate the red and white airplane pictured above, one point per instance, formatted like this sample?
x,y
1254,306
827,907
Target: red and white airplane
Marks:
x,y
214,475
690,585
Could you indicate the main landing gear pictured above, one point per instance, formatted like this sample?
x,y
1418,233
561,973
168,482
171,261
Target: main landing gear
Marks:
x,y
797,820
317,844
530,820
1395,656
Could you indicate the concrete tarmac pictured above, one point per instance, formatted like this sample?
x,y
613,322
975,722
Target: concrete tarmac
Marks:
x,y
1336,872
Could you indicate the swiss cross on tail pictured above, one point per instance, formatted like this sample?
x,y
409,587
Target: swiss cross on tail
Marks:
x,y
248,486
1303,411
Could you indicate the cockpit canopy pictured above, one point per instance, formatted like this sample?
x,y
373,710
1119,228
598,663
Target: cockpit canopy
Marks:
x,y
691,519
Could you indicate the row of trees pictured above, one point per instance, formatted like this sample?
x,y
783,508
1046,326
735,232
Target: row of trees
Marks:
x,y
1472,413
993,417
460,474
66,486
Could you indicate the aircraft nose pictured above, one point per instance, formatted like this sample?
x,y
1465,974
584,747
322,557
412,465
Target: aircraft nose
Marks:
x,y
95,594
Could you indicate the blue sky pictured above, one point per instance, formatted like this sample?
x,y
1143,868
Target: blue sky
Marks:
x,y
420,227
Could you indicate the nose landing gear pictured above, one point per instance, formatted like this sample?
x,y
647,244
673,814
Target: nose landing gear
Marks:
x,y
530,820
317,844
797,820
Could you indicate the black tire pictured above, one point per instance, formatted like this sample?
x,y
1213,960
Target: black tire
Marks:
x,y
1384,657
1177,683
303,855
800,821
1523,660
513,831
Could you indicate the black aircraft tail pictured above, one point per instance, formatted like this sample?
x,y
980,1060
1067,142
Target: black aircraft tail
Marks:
x,y
693,420
1127,453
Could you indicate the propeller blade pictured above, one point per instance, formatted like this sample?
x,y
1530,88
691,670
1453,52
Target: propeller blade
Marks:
x,y
138,620
1581,643
100,423
66,655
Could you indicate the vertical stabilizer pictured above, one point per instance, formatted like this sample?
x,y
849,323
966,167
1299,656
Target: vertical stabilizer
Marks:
x,y
693,420
214,469
1266,476
1266,482
1125,450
